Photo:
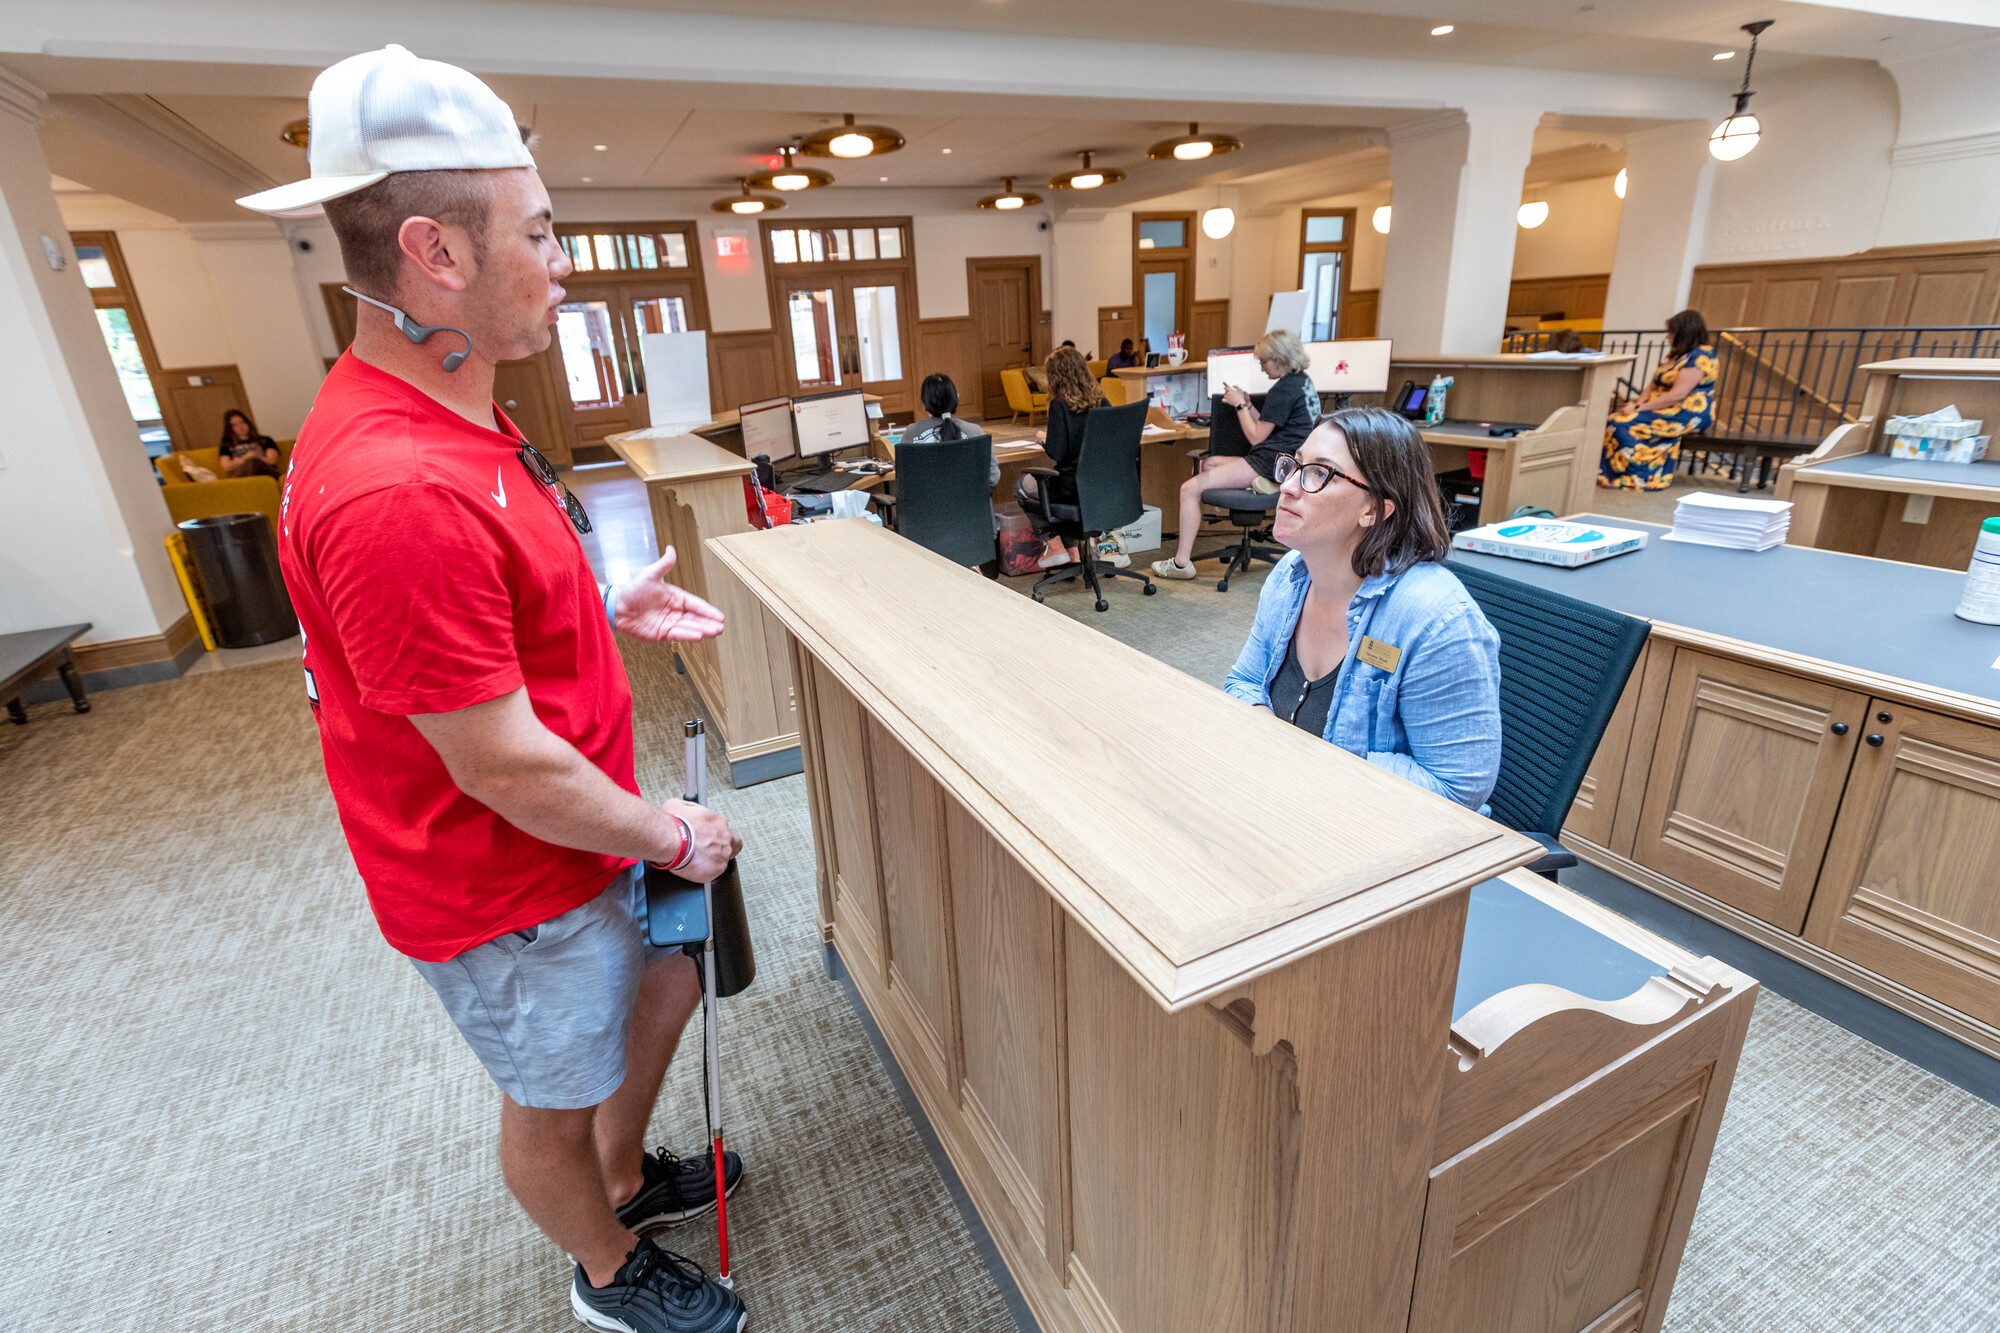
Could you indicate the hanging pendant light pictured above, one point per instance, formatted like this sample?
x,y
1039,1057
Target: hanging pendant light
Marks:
x,y
1738,134
297,133
747,203
1532,214
1193,146
1010,198
1218,222
1618,183
850,140
1087,177
1379,220
790,176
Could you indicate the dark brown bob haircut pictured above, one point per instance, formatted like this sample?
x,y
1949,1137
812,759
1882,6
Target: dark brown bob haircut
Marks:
x,y
367,221
1397,465
1687,330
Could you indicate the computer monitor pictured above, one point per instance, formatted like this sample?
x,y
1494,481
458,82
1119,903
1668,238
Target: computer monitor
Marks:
x,y
1350,365
767,429
1238,366
829,422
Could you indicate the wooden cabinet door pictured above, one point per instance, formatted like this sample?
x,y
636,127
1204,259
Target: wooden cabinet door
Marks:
x,y
1745,780
1911,885
1596,800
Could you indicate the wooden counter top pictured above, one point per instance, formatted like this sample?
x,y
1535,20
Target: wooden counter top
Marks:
x,y
1520,360
1956,367
657,454
1055,736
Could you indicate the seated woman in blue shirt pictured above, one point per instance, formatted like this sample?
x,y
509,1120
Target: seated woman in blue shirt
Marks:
x,y
1362,636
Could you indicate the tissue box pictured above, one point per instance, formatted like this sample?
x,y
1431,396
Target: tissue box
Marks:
x,y
1931,428
1934,449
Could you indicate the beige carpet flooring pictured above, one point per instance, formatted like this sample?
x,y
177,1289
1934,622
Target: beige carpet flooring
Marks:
x,y
225,1103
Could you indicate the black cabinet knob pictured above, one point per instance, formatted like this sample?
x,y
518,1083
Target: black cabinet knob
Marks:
x,y
1840,728
1884,717
1875,739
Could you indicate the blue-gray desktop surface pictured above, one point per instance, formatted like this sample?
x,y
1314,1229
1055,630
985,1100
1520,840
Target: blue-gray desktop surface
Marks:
x,y
1875,615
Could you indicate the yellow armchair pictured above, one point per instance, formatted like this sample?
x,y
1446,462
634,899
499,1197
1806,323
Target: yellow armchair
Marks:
x,y
1019,397
1114,389
169,466
230,495
1099,369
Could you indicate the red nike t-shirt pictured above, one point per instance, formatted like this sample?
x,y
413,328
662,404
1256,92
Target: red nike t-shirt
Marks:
x,y
431,571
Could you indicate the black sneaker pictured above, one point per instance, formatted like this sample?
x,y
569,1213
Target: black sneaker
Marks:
x,y
657,1291
678,1188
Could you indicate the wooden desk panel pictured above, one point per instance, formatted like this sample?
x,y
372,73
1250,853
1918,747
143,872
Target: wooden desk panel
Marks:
x,y
1025,931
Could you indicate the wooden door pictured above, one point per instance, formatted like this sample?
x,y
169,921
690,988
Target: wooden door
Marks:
x,y
1003,321
1909,885
850,330
525,391
1745,780
597,333
195,399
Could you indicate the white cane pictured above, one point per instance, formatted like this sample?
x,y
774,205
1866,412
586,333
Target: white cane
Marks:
x,y
696,747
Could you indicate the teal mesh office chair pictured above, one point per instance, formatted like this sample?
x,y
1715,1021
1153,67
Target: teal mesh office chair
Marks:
x,y
1563,664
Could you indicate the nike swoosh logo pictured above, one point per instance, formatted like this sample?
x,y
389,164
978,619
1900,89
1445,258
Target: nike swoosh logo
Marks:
x,y
500,480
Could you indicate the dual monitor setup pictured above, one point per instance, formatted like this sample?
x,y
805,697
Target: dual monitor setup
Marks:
x,y
817,425
1351,365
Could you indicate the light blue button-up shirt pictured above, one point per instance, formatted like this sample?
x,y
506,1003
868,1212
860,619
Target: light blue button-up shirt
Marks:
x,y
1435,719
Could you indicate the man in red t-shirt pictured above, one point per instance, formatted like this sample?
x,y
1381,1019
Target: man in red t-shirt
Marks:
x,y
473,710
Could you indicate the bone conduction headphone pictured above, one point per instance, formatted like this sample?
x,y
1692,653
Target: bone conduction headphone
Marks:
x,y
416,332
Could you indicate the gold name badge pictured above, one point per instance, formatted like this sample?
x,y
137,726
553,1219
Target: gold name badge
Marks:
x,y
1379,654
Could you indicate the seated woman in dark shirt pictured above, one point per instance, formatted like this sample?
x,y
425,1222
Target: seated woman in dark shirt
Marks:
x,y
1072,392
245,453
940,398
1280,427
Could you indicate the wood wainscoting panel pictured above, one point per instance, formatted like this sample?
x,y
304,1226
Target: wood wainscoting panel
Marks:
x,y
916,896
1207,327
951,347
1597,796
1934,286
858,916
743,368
1574,296
1358,314
1911,885
1745,779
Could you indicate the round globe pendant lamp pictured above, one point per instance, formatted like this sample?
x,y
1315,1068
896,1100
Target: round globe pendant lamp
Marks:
x,y
1738,134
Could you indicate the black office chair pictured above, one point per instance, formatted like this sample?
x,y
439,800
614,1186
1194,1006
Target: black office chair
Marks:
x,y
1107,492
944,502
1248,511
1563,664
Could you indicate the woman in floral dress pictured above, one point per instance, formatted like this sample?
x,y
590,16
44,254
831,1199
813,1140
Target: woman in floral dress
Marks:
x,y
1642,440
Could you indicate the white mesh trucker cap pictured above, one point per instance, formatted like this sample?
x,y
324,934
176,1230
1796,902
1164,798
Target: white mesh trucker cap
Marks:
x,y
387,111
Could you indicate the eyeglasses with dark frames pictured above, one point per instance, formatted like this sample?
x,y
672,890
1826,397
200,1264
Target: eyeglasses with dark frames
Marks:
x,y
545,472
1313,477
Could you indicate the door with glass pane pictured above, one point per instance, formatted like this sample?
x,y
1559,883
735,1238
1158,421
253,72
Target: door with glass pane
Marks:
x,y
841,298
598,330
1326,247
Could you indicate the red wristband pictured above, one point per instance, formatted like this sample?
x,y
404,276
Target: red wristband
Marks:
x,y
683,856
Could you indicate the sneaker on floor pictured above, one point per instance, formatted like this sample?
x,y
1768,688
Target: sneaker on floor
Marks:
x,y
1167,569
657,1291
1264,486
678,1188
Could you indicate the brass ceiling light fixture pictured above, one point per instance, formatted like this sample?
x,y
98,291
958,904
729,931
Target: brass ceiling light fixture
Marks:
x,y
1193,146
1739,133
1010,198
791,176
850,140
298,133
1087,177
747,203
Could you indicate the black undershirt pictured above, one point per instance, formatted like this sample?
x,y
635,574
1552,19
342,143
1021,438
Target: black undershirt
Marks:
x,y
1301,702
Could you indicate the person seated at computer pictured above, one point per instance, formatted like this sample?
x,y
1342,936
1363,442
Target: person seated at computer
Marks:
x,y
1362,636
1124,358
940,398
1290,409
1072,392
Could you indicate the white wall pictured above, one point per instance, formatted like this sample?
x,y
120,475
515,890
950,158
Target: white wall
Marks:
x,y
1816,182
81,518
1092,257
944,241
1580,236
1945,169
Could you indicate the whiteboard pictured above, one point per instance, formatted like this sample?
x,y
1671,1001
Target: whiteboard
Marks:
x,y
1288,312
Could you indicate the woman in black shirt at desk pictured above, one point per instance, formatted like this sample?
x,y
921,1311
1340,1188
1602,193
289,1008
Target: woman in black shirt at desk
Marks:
x,y
1072,392
940,398
1291,407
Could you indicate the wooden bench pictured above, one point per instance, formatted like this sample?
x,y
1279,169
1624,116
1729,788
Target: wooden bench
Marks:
x,y
1748,448
25,657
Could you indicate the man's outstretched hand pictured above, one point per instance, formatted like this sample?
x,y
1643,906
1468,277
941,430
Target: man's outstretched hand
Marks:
x,y
648,607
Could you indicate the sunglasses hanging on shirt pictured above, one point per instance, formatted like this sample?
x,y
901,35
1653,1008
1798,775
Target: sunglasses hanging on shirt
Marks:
x,y
545,472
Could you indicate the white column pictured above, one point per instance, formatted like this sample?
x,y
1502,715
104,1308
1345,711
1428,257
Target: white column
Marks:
x,y
1456,179
81,519
257,295
1667,176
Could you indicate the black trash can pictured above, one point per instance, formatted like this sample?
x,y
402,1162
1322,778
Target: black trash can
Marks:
x,y
236,557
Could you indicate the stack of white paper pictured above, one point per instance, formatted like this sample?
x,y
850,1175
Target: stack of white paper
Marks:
x,y
1731,520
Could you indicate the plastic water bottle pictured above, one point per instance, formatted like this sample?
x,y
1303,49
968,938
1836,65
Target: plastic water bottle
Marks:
x,y
1981,599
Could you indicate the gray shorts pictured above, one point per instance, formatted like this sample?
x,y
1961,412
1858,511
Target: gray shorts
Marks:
x,y
547,1009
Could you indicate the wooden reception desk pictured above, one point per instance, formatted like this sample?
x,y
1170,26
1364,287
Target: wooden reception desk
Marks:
x,y
1209,1073
744,677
